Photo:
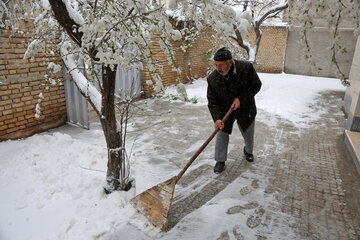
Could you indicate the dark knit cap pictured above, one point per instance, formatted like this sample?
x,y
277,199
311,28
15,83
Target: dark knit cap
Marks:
x,y
223,54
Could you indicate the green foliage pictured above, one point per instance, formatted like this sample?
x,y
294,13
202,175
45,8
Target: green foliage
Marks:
x,y
193,100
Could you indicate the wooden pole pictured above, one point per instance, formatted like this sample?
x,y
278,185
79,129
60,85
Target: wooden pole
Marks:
x,y
192,159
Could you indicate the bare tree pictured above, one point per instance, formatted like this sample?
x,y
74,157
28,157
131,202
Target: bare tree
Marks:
x,y
260,12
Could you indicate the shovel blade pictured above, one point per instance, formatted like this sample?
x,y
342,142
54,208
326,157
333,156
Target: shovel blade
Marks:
x,y
155,203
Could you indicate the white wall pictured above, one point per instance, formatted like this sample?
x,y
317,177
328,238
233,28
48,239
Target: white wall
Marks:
x,y
320,40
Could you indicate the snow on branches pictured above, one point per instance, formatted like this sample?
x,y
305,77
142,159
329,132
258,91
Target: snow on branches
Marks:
x,y
231,19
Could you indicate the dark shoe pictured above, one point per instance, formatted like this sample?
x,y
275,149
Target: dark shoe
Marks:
x,y
219,167
249,157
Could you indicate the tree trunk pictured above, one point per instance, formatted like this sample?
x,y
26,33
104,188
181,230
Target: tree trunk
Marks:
x,y
112,136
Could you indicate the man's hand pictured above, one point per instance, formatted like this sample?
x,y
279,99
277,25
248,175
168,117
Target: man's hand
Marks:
x,y
219,125
236,104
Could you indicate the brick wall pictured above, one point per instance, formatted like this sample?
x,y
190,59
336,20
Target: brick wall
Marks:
x,y
168,77
21,82
196,55
200,62
270,56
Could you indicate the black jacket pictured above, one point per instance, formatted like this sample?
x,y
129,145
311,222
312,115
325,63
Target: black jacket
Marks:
x,y
241,82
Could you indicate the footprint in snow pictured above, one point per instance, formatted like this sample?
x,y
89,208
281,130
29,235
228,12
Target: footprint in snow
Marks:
x,y
255,183
235,210
239,208
224,236
245,190
255,219
237,232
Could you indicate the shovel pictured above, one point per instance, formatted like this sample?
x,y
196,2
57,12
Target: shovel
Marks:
x,y
155,203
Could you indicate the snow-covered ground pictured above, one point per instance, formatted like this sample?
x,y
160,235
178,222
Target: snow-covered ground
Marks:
x,y
51,183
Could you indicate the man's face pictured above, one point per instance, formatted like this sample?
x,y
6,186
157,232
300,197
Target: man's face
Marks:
x,y
223,67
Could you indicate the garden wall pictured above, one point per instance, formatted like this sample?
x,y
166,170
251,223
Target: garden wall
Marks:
x,y
271,54
21,82
195,55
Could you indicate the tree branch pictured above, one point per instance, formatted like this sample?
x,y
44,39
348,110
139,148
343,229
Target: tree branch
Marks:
x,y
278,9
240,40
70,26
62,16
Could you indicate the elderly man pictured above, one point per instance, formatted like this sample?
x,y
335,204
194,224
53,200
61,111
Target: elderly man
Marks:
x,y
233,84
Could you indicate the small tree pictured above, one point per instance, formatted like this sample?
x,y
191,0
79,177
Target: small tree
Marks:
x,y
102,34
231,19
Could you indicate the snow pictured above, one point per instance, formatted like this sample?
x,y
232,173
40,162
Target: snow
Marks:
x,y
279,94
294,93
74,15
51,183
45,4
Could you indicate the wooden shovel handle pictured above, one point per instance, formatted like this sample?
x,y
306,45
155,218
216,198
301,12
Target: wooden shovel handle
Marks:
x,y
192,159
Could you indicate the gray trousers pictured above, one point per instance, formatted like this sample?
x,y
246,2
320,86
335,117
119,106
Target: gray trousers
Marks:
x,y
222,142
